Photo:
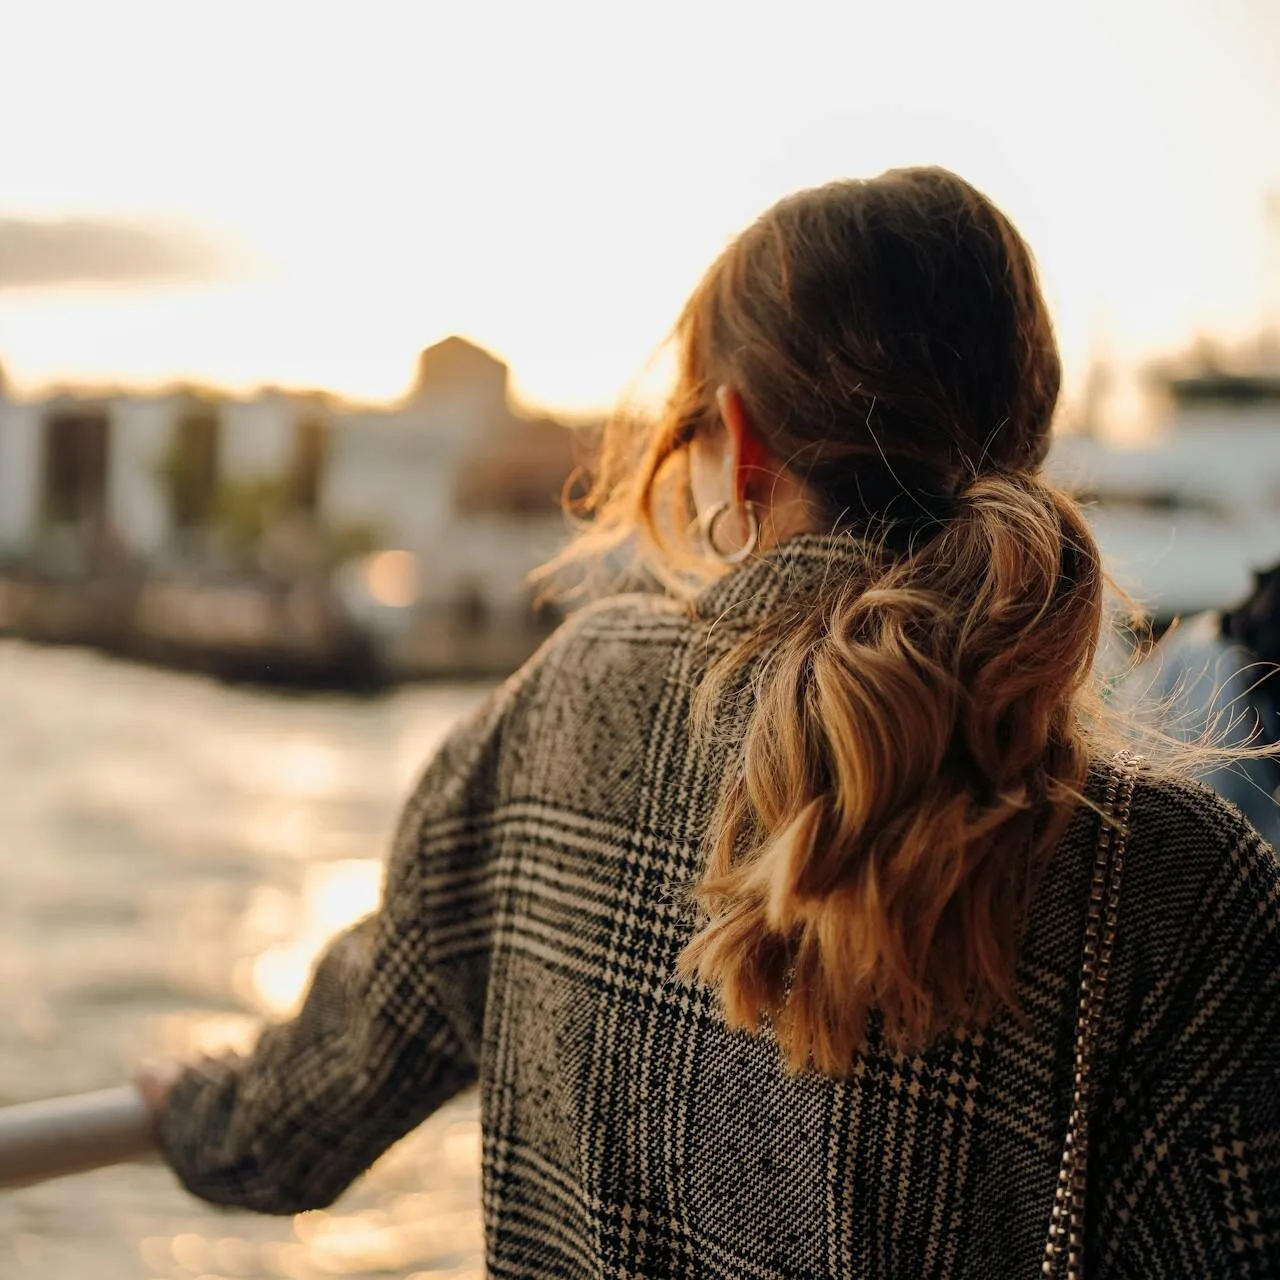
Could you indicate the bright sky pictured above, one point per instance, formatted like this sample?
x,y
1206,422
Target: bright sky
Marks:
x,y
549,178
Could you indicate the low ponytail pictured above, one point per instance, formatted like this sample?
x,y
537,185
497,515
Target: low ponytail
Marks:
x,y
912,755
912,734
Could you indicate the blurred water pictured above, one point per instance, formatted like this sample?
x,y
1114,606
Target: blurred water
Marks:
x,y
172,854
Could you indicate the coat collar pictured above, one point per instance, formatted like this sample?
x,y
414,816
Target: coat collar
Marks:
x,y
794,570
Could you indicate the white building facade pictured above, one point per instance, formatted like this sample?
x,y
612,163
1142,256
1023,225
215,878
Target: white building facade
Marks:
x,y
81,470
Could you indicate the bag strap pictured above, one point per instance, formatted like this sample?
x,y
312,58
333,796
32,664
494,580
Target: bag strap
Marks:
x,y
1065,1243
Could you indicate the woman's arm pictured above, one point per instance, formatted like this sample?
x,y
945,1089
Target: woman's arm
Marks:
x,y
383,1037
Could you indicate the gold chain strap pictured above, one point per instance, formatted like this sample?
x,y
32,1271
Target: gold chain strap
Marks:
x,y
1066,1226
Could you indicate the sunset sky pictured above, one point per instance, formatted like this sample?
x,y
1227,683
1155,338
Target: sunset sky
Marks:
x,y
307,194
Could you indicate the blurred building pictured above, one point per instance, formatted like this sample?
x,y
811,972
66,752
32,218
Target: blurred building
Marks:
x,y
1185,517
419,520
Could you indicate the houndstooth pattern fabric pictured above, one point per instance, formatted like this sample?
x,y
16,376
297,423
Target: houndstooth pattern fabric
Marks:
x,y
532,916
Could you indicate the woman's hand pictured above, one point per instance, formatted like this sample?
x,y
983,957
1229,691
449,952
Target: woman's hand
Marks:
x,y
155,1081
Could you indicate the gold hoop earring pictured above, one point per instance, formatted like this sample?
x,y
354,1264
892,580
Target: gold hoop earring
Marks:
x,y
712,518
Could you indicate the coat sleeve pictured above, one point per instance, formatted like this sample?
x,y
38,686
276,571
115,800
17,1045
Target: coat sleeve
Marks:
x,y
388,1029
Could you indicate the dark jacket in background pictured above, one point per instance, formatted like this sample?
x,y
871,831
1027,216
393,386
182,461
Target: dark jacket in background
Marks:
x,y
1199,680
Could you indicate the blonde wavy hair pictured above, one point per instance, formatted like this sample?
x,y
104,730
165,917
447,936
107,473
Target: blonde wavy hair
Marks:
x,y
916,744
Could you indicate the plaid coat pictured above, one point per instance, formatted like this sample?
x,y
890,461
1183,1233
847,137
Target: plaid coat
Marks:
x,y
532,916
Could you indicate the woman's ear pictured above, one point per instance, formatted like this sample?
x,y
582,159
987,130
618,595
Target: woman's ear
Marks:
x,y
745,456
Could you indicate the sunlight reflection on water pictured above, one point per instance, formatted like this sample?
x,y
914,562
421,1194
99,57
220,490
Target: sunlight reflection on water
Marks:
x,y
176,854
334,895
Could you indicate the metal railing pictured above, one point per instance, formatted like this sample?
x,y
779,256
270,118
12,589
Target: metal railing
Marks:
x,y
60,1136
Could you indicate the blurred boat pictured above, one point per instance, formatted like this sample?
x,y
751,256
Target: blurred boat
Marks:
x,y
235,628
1185,518
359,629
